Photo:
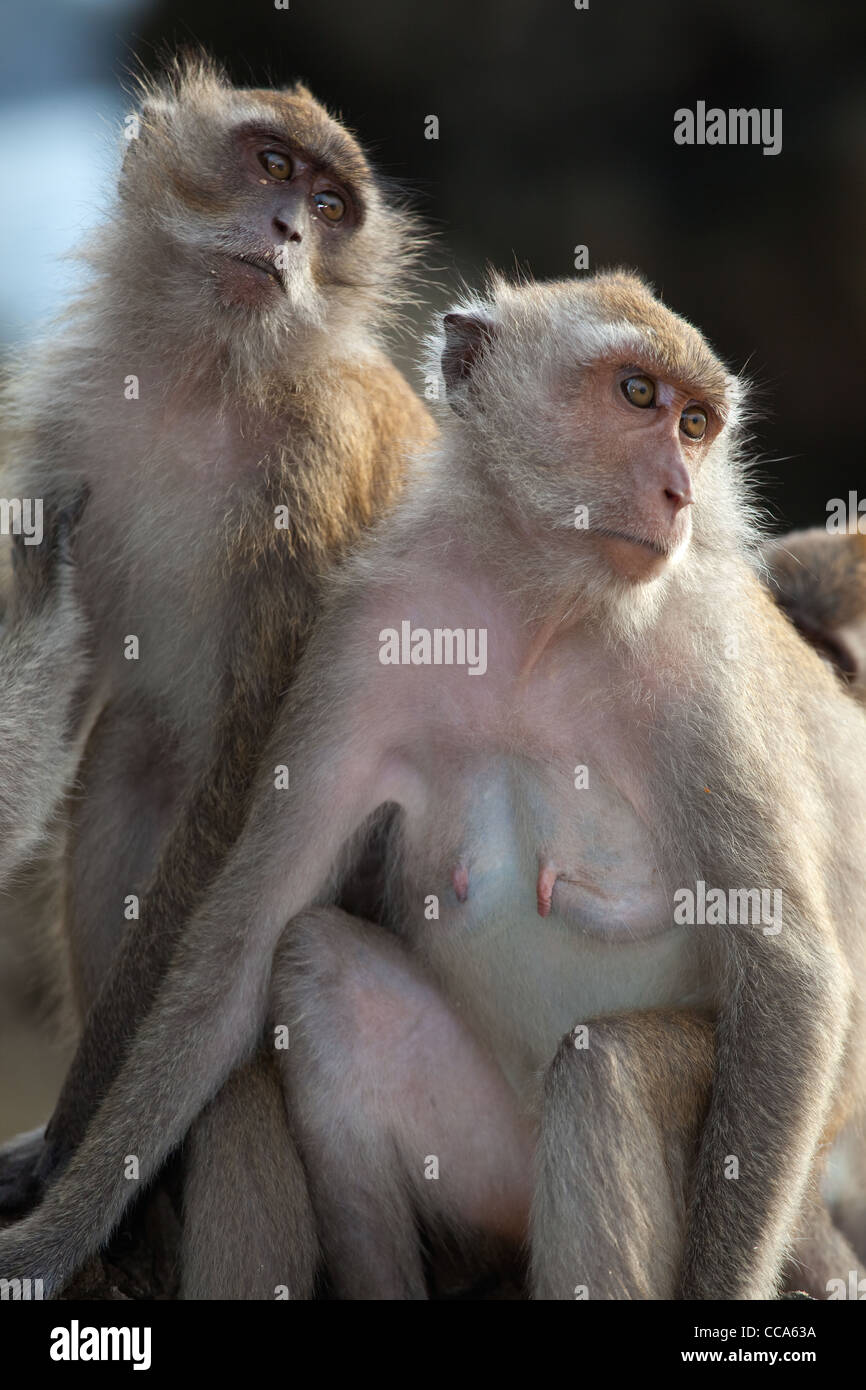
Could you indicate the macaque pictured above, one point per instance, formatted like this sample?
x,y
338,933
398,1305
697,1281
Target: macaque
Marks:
x,y
611,1008
819,580
43,670
222,389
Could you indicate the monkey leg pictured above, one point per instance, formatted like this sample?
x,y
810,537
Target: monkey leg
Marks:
x,y
195,833
29,909
620,1122
248,1227
399,1113
129,788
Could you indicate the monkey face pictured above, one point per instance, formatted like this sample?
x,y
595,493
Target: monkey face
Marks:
x,y
291,221
268,218
603,440
642,439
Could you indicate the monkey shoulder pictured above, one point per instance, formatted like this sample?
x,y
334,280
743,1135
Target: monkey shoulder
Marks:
x,y
378,389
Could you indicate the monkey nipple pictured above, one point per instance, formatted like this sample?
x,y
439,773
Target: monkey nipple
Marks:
x,y
460,879
547,876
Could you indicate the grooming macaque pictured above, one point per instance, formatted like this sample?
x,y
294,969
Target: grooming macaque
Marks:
x,y
819,579
43,666
524,1048
222,389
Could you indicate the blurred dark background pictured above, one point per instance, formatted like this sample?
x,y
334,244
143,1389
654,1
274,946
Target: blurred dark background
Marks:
x,y
556,129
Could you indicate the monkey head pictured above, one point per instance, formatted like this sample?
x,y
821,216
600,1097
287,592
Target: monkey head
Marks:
x,y
819,580
256,216
600,418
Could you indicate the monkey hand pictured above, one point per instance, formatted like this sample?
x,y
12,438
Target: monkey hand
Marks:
x,y
34,1259
21,1181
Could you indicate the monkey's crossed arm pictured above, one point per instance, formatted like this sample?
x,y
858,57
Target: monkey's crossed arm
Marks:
x,y
481,646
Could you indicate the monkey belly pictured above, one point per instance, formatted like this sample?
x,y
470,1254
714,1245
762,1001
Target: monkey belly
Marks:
x,y
525,982
605,941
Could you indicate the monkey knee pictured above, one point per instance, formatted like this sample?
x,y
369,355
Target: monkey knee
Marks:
x,y
349,997
314,957
593,1059
645,1060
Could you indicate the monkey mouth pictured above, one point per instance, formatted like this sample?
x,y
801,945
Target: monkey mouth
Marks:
x,y
265,267
662,548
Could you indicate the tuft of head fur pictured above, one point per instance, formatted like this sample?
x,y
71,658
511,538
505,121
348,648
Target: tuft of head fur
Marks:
x,y
819,574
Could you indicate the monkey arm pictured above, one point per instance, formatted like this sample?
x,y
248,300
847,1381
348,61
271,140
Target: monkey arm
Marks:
x,y
210,1008
206,826
209,824
783,1024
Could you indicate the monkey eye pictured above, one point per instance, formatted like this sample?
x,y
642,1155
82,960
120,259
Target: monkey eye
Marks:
x,y
330,205
693,422
639,390
279,166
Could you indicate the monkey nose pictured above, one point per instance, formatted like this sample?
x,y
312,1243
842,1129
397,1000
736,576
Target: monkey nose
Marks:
x,y
285,231
677,488
678,497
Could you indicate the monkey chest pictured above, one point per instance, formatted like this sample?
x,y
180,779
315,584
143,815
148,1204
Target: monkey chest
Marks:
x,y
545,905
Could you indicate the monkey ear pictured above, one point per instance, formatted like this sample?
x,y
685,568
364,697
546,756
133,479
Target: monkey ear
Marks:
x,y
467,336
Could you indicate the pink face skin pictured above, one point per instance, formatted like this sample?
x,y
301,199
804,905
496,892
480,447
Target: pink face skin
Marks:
x,y
293,206
655,463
